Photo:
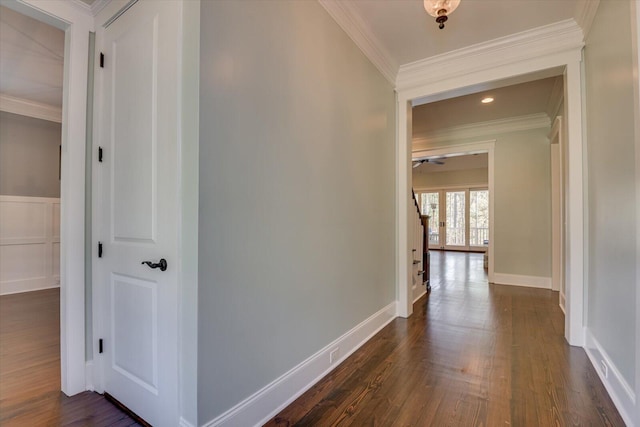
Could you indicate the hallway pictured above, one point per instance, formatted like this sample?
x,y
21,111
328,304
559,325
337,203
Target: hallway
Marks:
x,y
471,354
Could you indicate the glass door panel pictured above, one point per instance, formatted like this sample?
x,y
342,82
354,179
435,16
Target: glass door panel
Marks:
x,y
479,218
430,205
455,218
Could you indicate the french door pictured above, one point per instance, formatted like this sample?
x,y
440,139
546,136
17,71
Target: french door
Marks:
x,y
458,219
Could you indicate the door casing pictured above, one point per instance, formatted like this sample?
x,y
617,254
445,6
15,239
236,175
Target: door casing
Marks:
x,y
481,69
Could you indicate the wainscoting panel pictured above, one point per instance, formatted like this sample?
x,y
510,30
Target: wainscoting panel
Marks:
x,y
29,243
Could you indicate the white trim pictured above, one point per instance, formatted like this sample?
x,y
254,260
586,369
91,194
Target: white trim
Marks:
x,y
472,186
585,13
482,129
349,20
30,285
94,9
77,25
635,43
24,107
261,406
520,280
420,295
521,47
533,54
88,375
575,206
188,131
185,423
619,390
557,229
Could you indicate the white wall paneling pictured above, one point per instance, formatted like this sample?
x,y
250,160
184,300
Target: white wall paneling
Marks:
x,y
29,244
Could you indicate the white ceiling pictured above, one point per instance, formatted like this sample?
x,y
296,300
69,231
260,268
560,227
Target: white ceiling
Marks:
x,y
473,161
31,52
510,101
406,33
31,59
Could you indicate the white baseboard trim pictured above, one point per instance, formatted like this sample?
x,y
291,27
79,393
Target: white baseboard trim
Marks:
x,y
619,390
88,376
562,302
185,423
424,291
29,285
518,280
260,407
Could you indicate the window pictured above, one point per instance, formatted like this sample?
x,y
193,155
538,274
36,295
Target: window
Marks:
x,y
479,217
466,218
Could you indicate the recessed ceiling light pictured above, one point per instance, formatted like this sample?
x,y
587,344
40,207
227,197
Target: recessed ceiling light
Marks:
x,y
487,100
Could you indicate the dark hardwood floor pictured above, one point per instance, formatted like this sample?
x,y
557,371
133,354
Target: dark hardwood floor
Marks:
x,y
30,369
472,354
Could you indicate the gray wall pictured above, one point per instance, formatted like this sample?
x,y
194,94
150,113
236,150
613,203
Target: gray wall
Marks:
x,y
29,156
297,210
522,201
611,189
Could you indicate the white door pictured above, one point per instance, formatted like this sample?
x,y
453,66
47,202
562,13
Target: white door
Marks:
x,y
455,220
138,218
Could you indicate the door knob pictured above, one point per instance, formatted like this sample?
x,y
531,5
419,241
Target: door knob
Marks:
x,y
162,264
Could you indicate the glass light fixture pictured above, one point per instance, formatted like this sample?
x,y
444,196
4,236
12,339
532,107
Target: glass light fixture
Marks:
x,y
440,9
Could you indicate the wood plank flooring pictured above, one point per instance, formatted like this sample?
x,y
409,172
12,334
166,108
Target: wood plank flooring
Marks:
x,y
472,354
30,369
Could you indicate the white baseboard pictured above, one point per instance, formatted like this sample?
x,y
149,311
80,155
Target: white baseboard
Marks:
x,y
29,285
562,302
518,280
619,390
263,405
88,376
185,423
422,292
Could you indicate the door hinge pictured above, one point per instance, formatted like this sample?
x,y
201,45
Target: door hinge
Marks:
x,y
100,345
99,249
101,60
100,154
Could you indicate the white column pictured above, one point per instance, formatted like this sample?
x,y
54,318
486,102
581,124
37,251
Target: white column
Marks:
x,y
574,322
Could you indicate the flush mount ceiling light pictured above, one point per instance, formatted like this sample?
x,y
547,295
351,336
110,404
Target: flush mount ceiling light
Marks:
x,y
487,100
440,9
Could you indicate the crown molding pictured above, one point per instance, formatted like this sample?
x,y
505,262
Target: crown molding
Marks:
x,y
482,129
559,37
343,13
23,107
585,13
92,10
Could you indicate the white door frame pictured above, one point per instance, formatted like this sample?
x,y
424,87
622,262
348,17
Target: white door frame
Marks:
x,y
187,262
76,22
472,148
526,56
557,229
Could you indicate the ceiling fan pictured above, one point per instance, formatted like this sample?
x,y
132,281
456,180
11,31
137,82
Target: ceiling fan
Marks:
x,y
437,161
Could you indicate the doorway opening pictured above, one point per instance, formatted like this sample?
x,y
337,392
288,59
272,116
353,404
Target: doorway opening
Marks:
x,y
565,84
31,80
76,25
